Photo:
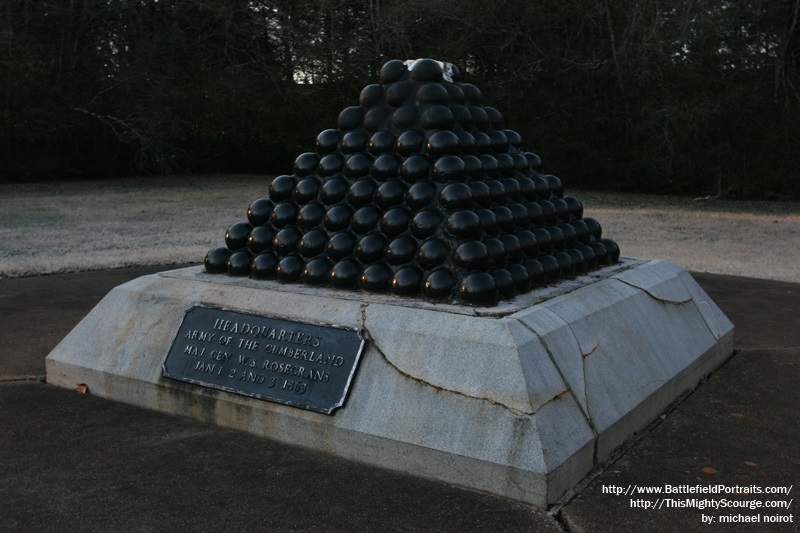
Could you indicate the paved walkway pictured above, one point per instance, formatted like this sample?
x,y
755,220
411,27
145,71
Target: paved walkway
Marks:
x,y
71,461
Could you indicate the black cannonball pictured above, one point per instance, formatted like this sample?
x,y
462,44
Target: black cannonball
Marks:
x,y
575,206
557,237
600,252
345,274
562,209
449,167
543,239
375,277
306,163
472,94
505,218
472,255
495,118
312,244
285,213
317,271
405,117
456,195
480,191
401,250
497,251
365,219
375,117
578,261
306,190
260,239
519,213
479,288
463,118
281,188
464,224
371,248
426,222
381,142
407,281
354,142
397,93
330,165
454,91
340,245
263,266
358,165
490,164
286,240
327,141
426,70
439,284
334,190
432,252
534,161
488,221
432,93
442,143
512,187
522,280
385,166
236,236
549,211
542,187
410,142
466,143
535,214
416,167
552,271
370,95
527,188
480,118
555,186
437,117
361,192
595,230
289,269
216,260
338,217
310,215
520,163
565,264
420,195
259,211
239,263
395,221
505,164
581,231
589,256
613,250
483,144
391,71
499,142
528,242
390,193
570,235
514,139
350,118
512,246
535,272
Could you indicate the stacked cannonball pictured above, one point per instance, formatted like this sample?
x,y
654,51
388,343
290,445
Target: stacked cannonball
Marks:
x,y
419,191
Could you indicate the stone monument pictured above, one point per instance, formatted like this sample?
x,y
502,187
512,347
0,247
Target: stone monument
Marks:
x,y
419,295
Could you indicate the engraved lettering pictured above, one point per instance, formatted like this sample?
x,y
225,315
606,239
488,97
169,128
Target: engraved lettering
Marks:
x,y
248,345
193,351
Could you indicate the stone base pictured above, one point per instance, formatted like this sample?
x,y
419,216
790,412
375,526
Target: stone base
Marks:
x,y
520,400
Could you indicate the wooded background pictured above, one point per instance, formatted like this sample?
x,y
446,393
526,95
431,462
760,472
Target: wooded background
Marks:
x,y
678,96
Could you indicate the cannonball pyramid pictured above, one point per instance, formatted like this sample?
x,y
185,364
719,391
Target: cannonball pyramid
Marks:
x,y
419,191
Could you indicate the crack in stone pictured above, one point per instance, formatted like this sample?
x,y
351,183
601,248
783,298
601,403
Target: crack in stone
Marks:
x,y
388,361
658,298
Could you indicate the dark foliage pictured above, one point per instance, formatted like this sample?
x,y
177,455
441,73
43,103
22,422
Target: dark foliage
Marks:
x,y
698,96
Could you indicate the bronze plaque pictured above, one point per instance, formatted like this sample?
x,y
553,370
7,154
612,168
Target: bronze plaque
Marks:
x,y
304,365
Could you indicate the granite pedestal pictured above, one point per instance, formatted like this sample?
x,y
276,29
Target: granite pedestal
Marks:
x,y
520,400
